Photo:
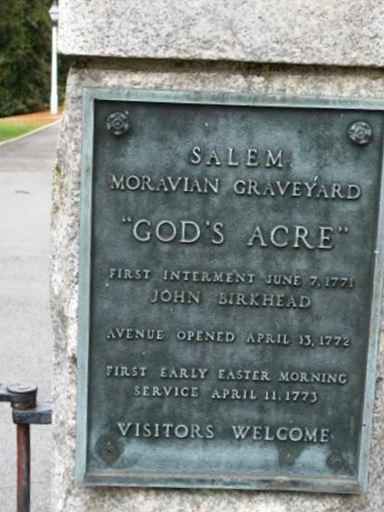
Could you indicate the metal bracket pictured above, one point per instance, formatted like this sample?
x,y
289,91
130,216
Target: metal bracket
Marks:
x,y
25,412
21,396
39,415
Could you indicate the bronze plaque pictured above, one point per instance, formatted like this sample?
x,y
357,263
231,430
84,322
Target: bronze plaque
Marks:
x,y
229,291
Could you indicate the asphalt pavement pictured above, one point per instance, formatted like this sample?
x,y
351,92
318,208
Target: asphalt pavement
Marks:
x,y
25,329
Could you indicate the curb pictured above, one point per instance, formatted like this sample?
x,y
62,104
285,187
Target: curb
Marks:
x,y
40,129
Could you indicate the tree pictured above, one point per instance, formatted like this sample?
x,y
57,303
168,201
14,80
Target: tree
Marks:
x,y
25,49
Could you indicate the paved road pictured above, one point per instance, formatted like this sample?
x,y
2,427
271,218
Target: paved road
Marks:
x,y
25,330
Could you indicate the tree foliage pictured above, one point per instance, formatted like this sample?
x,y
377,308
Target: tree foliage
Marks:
x,y
25,54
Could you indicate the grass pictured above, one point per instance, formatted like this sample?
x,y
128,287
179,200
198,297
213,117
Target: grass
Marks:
x,y
11,127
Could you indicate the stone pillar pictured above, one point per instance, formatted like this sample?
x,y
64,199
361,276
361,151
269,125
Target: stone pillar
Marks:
x,y
265,47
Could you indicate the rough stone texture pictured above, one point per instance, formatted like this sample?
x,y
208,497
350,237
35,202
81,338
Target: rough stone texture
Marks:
x,y
337,32
278,81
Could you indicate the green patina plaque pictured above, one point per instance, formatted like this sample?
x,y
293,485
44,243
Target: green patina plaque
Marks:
x,y
230,277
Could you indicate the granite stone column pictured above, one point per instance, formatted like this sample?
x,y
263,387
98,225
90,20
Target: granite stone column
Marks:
x,y
265,47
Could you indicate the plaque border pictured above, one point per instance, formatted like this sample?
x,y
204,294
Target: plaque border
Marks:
x,y
236,481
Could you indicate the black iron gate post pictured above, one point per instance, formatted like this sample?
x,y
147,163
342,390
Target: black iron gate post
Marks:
x,y
25,412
